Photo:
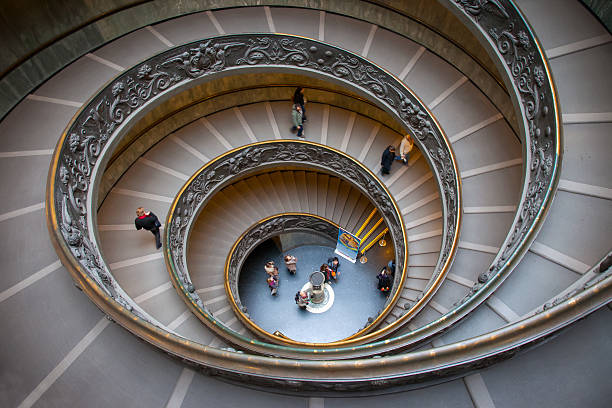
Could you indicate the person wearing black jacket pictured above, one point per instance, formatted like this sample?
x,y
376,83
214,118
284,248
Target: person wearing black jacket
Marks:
x,y
385,280
387,159
334,264
298,99
150,222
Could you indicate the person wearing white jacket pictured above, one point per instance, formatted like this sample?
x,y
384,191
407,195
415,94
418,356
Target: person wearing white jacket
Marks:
x,y
405,148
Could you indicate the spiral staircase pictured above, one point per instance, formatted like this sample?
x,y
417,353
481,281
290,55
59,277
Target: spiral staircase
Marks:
x,y
60,349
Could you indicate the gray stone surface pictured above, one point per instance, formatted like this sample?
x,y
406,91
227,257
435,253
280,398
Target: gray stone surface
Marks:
x,y
560,22
480,321
79,81
165,307
452,115
230,128
122,245
452,394
141,278
534,282
338,120
256,116
413,174
571,370
226,395
245,20
100,376
346,33
449,293
296,21
188,28
25,248
565,226
493,144
499,187
391,51
132,48
587,154
430,77
38,331
175,157
149,180
497,225
34,125
589,93
199,137
423,191
469,264
24,181
195,331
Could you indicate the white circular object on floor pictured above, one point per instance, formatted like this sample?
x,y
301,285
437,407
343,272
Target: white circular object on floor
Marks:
x,y
325,304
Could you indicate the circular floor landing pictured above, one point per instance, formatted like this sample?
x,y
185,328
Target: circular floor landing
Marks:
x,y
356,297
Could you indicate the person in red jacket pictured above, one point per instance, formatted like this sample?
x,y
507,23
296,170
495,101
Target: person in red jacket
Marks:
x,y
148,221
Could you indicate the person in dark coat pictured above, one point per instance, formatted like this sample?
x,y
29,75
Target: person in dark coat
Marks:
x,y
327,271
387,159
384,280
298,98
334,265
150,222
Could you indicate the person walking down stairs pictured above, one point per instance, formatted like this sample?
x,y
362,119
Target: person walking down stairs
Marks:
x,y
297,115
150,222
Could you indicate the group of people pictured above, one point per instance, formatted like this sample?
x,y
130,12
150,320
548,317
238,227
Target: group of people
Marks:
x,y
330,269
302,298
390,155
298,116
272,277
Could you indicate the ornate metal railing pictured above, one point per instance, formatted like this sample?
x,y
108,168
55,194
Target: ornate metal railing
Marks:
x,y
232,165
77,158
84,148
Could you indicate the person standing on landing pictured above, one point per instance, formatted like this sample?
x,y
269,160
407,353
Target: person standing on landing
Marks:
x,y
150,222
271,269
291,263
334,264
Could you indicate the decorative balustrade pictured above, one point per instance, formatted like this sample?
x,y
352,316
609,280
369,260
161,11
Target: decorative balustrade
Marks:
x,y
86,146
79,160
231,166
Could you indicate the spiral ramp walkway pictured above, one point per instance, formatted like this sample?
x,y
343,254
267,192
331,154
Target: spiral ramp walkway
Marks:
x,y
59,348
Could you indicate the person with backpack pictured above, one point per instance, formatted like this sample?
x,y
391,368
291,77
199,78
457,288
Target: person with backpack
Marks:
x,y
302,299
334,265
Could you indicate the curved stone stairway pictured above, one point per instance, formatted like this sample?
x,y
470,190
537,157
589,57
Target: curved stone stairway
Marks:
x,y
57,345
159,174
